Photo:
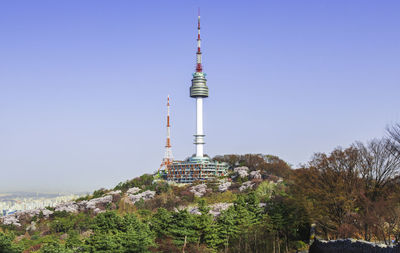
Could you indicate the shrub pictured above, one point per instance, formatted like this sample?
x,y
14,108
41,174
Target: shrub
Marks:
x,y
7,245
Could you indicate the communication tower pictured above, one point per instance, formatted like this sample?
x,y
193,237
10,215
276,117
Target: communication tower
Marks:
x,y
168,158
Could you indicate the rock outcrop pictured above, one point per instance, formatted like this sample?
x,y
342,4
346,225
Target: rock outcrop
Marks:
x,y
351,246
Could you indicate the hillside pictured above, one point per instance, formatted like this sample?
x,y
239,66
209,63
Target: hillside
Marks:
x,y
146,214
261,205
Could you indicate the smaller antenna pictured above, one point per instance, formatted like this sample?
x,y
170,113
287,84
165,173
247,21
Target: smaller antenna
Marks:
x,y
167,160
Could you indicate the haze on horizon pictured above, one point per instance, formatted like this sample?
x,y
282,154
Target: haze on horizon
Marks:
x,y
83,84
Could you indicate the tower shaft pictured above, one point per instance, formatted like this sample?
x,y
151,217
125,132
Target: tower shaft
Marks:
x,y
199,136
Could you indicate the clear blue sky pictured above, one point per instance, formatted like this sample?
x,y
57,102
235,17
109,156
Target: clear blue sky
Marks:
x,y
83,83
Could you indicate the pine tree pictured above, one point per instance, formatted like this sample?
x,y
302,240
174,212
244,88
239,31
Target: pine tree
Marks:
x,y
183,228
227,227
160,222
203,221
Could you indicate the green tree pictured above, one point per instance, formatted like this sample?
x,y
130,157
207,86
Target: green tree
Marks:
x,y
290,221
113,233
183,228
203,221
105,242
265,190
107,222
7,245
54,247
62,225
212,237
137,236
73,242
227,227
253,206
243,216
160,222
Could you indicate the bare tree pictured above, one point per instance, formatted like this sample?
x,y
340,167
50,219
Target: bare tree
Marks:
x,y
378,165
394,137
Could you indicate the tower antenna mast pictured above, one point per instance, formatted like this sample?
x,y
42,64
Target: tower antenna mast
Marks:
x,y
199,67
168,158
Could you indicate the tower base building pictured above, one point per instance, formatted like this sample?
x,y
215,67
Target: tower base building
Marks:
x,y
195,169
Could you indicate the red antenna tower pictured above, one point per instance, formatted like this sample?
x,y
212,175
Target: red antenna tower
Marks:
x,y
199,67
168,158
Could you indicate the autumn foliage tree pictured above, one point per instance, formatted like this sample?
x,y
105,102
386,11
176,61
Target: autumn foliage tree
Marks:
x,y
350,191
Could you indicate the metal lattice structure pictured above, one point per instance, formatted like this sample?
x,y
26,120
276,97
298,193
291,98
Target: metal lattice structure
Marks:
x,y
168,158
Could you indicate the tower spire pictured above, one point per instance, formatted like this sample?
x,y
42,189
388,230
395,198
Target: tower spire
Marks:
x,y
199,67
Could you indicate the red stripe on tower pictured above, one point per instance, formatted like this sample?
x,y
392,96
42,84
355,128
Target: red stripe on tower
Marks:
x,y
199,67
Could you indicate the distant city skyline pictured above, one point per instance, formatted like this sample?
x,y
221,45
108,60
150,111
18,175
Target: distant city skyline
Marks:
x,y
25,201
83,83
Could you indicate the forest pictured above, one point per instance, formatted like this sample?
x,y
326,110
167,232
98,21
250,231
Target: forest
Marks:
x,y
351,192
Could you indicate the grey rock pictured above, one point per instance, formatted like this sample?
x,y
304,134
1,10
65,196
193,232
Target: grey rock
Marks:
x,y
351,246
